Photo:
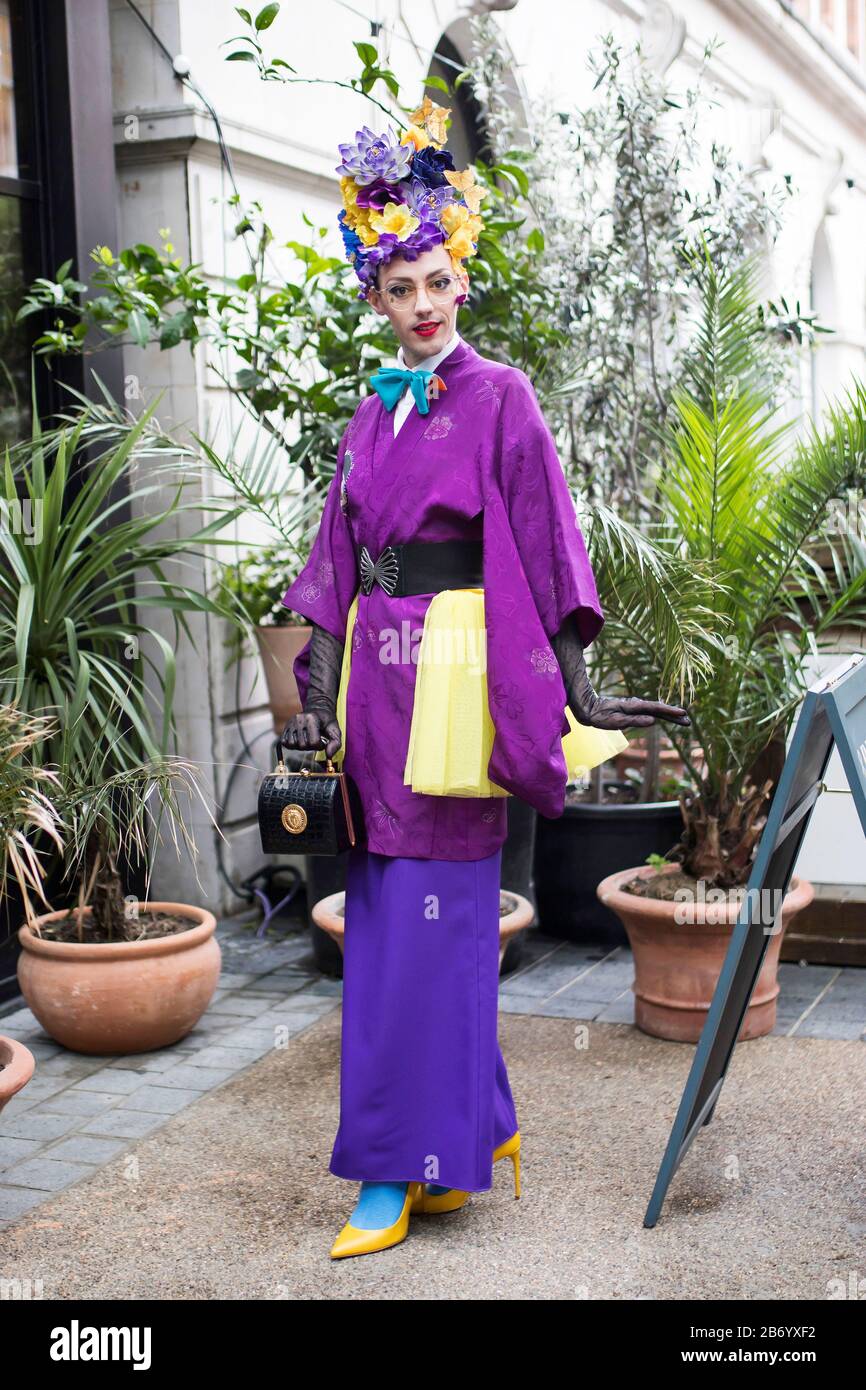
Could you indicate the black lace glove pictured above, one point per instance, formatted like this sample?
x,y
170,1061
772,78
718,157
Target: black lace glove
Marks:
x,y
603,711
320,709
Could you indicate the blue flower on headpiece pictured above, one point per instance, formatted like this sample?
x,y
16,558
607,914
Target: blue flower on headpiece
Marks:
x,y
372,156
351,241
429,165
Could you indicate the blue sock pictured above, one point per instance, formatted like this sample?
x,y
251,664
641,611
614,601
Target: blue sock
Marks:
x,y
379,1205
435,1191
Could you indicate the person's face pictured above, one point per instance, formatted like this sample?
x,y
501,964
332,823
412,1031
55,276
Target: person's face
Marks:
x,y
419,300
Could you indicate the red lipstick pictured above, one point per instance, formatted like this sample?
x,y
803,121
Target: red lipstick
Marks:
x,y
426,329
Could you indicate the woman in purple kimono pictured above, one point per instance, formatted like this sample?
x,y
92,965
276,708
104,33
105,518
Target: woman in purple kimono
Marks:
x,y
447,483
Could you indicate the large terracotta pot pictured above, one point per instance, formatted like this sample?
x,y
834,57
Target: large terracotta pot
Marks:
x,y
278,647
16,1068
329,914
121,997
678,963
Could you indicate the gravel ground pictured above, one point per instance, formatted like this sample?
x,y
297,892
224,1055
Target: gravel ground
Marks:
x,y
232,1198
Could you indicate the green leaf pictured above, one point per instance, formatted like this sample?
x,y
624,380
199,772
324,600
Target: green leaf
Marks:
x,y
433,80
244,14
265,17
241,57
139,328
367,53
518,176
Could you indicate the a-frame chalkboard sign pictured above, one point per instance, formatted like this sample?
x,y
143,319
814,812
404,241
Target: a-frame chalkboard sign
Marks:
x,y
833,712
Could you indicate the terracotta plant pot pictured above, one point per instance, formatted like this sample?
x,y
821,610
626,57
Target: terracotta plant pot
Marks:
x,y
278,647
328,913
634,758
16,1068
678,963
121,997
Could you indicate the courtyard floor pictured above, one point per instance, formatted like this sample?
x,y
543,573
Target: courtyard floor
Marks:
x,y
200,1171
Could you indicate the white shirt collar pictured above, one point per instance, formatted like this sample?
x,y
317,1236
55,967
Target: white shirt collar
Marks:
x,y
429,364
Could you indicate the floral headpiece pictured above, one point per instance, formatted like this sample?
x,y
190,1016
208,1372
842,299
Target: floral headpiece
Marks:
x,y
403,197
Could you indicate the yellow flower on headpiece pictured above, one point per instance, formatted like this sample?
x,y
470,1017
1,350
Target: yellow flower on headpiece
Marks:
x,y
464,182
397,219
349,190
454,215
357,218
460,243
415,136
433,119
354,214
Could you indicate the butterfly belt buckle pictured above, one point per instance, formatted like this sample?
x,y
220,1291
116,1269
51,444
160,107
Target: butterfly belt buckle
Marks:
x,y
385,571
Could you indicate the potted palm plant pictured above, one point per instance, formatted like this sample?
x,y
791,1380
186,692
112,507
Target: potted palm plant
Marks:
x,y
115,975
741,497
110,974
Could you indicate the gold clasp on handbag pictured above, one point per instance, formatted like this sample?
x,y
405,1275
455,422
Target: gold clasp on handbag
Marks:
x,y
282,771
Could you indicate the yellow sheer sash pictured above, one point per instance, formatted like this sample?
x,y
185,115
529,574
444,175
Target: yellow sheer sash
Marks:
x,y
451,734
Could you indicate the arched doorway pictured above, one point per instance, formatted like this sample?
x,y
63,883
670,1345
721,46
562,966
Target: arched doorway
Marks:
x,y
467,137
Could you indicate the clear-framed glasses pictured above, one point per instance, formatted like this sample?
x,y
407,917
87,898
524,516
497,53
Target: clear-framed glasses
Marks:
x,y
440,289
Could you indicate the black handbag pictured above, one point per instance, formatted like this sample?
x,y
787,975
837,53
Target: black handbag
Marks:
x,y
308,812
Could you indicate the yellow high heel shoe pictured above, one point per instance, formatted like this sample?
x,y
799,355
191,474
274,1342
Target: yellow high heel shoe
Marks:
x,y
431,1204
511,1149
352,1240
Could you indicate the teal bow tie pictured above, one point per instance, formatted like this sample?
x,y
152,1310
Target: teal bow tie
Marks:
x,y
391,382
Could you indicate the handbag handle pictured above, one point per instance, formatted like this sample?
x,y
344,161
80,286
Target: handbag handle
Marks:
x,y
278,752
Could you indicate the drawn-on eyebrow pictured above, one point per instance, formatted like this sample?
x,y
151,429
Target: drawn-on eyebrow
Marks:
x,y
404,279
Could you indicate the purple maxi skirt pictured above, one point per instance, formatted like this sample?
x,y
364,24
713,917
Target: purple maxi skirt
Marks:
x,y
424,1092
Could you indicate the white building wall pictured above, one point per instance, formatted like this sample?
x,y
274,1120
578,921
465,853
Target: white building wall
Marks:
x,y
786,105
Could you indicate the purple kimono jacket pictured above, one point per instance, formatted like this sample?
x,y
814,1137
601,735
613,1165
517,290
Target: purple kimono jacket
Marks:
x,y
481,464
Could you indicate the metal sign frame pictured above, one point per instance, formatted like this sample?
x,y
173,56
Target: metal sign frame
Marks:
x,y
833,714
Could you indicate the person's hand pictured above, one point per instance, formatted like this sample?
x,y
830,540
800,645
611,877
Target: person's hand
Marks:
x,y
604,711
313,729
317,725
629,712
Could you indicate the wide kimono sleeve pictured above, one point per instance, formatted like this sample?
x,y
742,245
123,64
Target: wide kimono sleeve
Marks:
x,y
536,572
324,588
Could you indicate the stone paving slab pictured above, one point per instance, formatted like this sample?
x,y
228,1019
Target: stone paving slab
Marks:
x,y
232,1198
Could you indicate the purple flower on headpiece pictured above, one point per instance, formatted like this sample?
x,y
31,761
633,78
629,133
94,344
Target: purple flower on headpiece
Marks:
x,y
429,164
385,247
424,238
372,156
428,202
378,193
